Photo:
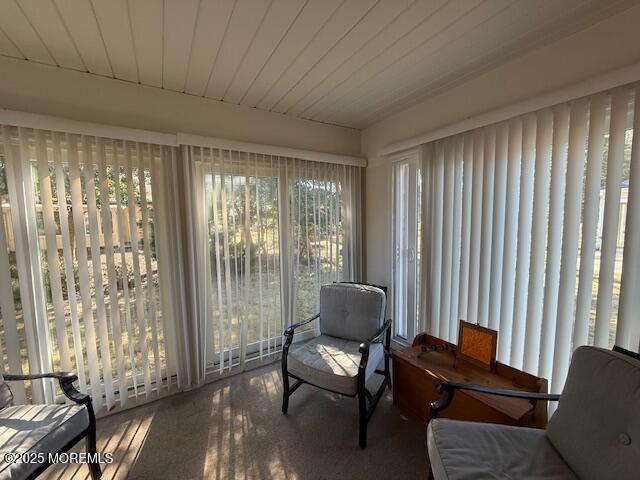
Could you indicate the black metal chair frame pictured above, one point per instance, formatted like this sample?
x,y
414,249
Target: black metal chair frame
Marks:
x,y
66,380
365,410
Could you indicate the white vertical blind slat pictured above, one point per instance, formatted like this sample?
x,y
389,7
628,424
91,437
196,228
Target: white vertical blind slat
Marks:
x,y
239,307
166,174
38,301
8,310
53,260
509,259
436,265
194,268
68,259
533,317
448,159
554,238
146,238
525,222
216,240
487,225
454,316
114,308
227,260
124,268
498,220
8,307
96,264
465,231
425,319
83,272
247,263
259,255
619,107
628,332
138,289
476,227
567,282
590,209
27,253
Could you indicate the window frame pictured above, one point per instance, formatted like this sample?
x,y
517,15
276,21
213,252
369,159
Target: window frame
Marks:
x,y
405,331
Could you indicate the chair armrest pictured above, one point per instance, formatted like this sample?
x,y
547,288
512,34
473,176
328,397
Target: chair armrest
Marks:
x,y
61,376
290,330
65,379
447,389
364,346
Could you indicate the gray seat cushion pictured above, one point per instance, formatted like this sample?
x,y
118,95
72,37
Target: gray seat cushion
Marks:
x,y
332,363
469,450
37,429
596,427
351,311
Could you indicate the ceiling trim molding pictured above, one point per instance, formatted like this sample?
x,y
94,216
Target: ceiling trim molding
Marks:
x,y
597,84
223,144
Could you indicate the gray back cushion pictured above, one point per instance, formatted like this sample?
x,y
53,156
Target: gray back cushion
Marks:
x,y
6,397
351,311
596,427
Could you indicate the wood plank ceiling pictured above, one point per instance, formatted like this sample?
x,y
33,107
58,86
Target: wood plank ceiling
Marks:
x,y
345,62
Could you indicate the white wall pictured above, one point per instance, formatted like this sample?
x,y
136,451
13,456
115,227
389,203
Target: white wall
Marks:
x,y
606,46
37,88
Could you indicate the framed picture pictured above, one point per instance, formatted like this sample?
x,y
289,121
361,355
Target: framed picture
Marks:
x,y
477,345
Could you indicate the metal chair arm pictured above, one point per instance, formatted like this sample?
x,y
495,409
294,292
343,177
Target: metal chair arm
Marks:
x,y
291,329
364,346
447,390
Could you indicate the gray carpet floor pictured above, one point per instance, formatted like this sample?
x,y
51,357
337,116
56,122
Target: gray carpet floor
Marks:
x,y
233,429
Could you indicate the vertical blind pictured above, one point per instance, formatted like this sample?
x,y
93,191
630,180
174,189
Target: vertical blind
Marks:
x,y
540,236
145,268
266,231
80,272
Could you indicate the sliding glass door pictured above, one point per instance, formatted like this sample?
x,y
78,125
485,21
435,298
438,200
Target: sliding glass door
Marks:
x,y
269,231
144,271
243,266
79,265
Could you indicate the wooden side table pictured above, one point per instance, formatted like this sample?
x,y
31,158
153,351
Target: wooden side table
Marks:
x,y
416,376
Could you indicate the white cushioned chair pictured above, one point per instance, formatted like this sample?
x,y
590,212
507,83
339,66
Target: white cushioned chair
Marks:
x,y
594,433
39,430
348,350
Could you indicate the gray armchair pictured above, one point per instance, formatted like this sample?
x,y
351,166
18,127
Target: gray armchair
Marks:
x,y
34,431
347,352
594,433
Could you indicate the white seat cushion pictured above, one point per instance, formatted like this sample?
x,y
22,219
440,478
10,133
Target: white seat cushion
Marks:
x,y
469,450
332,363
37,429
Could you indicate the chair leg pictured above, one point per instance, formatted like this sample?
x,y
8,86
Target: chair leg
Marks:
x,y
94,464
387,371
285,392
362,410
387,355
92,450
